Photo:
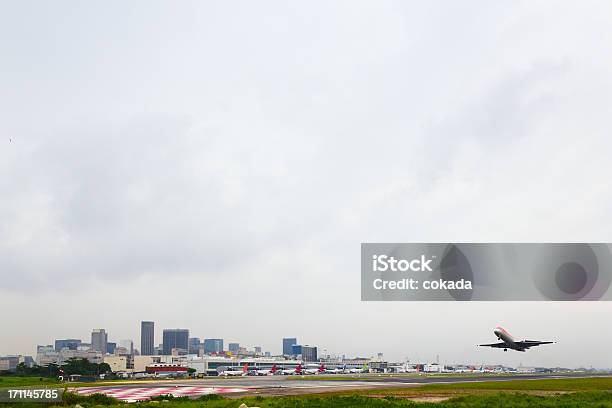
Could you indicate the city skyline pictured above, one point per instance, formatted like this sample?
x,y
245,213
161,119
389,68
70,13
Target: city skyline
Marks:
x,y
101,337
312,354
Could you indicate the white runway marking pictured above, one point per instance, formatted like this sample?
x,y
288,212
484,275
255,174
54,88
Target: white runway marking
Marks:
x,y
132,394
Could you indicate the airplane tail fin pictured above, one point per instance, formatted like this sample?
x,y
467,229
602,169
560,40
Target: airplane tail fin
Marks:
x,y
298,369
273,370
245,367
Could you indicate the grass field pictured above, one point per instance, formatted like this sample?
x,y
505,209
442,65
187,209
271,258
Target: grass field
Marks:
x,y
546,386
600,399
14,381
563,391
553,384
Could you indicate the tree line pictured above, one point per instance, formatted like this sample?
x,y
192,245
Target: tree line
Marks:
x,y
80,366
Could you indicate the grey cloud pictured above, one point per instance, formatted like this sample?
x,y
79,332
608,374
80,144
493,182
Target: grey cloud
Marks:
x,y
143,196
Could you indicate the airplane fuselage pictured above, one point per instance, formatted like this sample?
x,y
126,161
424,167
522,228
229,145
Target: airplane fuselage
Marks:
x,y
230,373
507,338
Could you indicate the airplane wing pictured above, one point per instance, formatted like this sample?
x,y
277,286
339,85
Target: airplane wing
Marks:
x,y
495,345
531,343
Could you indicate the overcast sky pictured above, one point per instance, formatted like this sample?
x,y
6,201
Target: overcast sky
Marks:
x,y
216,165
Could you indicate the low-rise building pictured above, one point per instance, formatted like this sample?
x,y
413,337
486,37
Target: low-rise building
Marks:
x,y
141,362
10,363
46,355
117,363
211,365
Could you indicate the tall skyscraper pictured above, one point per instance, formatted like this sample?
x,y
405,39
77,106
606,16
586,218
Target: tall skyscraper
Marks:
x,y
99,338
233,347
296,350
175,339
213,345
309,353
194,345
288,342
147,338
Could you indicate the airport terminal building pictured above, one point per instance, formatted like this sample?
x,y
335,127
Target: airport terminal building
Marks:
x,y
212,365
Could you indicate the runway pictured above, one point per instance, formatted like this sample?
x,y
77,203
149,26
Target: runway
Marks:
x,y
291,385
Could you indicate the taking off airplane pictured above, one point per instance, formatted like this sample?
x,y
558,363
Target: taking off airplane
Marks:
x,y
508,341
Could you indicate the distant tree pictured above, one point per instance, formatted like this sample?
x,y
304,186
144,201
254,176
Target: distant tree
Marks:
x,y
104,368
25,370
52,370
82,366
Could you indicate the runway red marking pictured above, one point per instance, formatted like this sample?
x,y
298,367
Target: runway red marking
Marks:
x,y
144,393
